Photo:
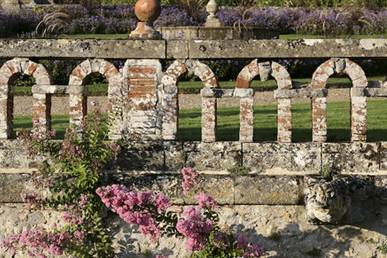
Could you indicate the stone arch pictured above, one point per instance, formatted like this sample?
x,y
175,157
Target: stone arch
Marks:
x,y
78,96
284,82
42,102
358,103
169,96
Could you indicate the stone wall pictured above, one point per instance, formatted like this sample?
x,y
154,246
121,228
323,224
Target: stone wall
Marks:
x,y
259,185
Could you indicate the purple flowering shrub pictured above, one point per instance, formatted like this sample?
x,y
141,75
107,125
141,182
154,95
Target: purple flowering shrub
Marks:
x,y
199,224
71,172
121,19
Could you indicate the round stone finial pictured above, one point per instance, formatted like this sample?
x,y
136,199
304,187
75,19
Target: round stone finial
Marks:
x,y
212,19
147,10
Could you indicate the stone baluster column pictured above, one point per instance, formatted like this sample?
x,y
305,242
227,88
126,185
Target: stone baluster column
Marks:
x,y
6,114
246,114
319,119
209,107
358,118
41,112
78,105
284,120
358,101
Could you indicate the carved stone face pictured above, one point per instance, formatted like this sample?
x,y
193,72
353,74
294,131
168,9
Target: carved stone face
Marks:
x,y
328,203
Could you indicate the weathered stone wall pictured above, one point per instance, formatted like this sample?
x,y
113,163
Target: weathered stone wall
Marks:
x,y
281,230
259,185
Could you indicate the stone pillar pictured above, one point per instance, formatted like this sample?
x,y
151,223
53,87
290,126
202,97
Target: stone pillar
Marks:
x,y
142,77
209,106
246,130
358,119
41,113
78,105
170,113
319,119
284,120
6,114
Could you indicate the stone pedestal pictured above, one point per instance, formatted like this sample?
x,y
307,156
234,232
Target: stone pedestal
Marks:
x,y
11,6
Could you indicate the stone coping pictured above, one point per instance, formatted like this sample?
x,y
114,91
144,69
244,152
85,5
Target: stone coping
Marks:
x,y
192,49
229,158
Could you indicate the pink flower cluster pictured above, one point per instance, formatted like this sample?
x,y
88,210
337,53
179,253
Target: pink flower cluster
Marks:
x,y
206,201
139,208
189,178
250,250
70,150
72,218
196,227
37,242
83,201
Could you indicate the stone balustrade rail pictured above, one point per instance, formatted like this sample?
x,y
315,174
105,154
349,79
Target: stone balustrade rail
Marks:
x,y
144,99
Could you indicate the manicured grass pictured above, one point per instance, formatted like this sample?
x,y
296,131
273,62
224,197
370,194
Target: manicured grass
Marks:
x,y
265,125
59,123
194,87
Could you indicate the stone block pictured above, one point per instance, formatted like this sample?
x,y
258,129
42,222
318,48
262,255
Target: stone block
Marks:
x,y
13,155
217,156
351,158
174,156
88,48
383,156
221,188
170,185
282,158
13,186
267,190
143,156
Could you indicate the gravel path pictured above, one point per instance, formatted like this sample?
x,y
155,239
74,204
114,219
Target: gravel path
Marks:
x,y
186,101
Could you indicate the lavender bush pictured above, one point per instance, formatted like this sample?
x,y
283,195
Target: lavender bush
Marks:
x,y
121,19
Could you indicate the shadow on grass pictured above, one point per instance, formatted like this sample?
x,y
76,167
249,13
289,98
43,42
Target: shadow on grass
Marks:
x,y
58,123
270,134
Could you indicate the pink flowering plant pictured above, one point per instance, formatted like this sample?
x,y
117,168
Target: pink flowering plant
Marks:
x,y
73,174
198,224
71,171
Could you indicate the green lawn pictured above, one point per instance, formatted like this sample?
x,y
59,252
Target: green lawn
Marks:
x,y
265,126
194,87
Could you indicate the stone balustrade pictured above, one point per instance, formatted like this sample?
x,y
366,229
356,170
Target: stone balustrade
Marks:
x,y
144,99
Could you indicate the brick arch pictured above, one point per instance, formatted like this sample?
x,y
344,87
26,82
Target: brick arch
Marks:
x,y
41,112
78,97
284,82
358,103
169,96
